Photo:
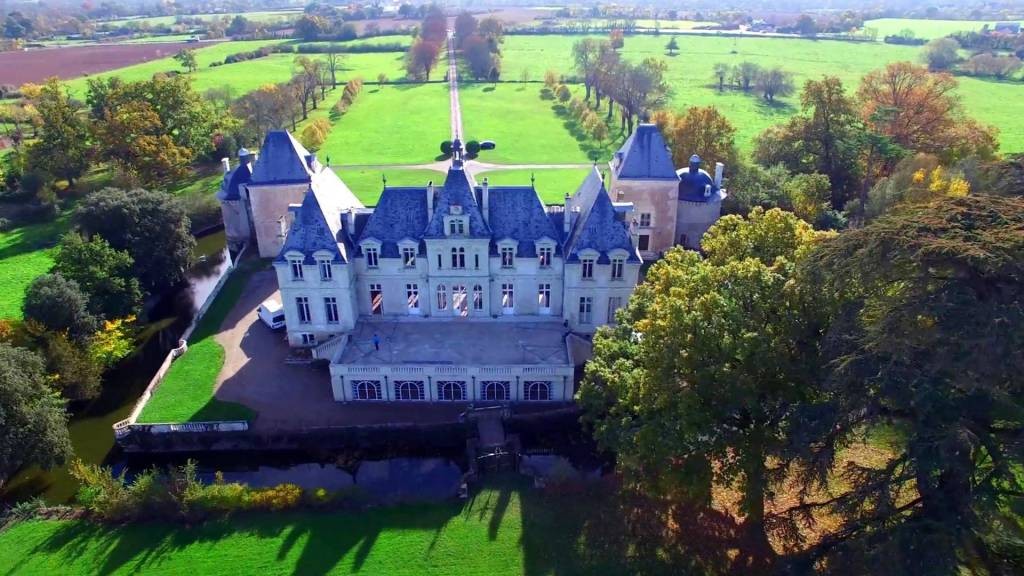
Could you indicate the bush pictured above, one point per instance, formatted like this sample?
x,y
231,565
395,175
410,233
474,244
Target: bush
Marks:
x,y
563,93
446,147
472,147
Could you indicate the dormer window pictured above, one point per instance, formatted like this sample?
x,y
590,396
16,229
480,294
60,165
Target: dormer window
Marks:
x,y
409,257
587,269
508,256
372,257
326,273
617,267
456,226
544,256
296,265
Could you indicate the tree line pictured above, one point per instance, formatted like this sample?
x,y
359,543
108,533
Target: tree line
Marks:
x,y
480,45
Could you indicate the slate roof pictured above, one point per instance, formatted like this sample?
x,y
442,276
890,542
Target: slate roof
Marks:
x,y
282,160
312,231
457,190
644,156
242,174
401,213
693,182
599,228
516,212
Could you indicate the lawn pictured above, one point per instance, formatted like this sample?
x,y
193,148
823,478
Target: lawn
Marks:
x,y
690,76
925,28
25,254
552,184
526,128
503,529
257,16
366,183
393,124
186,393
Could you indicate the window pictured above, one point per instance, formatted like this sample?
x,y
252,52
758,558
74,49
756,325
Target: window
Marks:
x,y
587,269
331,309
438,261
617,264
476,261
366,390
302,304
372,257
586,315
451,390
458,258
537,390
376,300
478,298
456,226
442,297
296,269
494,390
409,390
308,339
508,298
412,297
544,255
614,303
409,257
645,220
544,297
325,270
508,256
460,304
644,242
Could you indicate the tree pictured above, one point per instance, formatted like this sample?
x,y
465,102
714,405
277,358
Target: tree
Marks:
x,y
701,130
62,146
72,370
987,64
333,63
239,26
422,58
672,47
187,59
149,225
745,74
478,56
585,55
465,26
810,195
805,26
35,430
919,111
493,30
699,382
941,54
103,274
616,39
434,28
309,27
925,337
722,70
774,82
59,305
307,81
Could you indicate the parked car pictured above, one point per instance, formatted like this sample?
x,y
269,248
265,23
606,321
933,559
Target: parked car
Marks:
x,y
271,313
487,145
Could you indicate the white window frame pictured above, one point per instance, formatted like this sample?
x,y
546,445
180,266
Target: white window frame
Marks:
x,y
303,311
297,271
408,256
508,256
375,287
545,256
460,300
451,391
618,268
442,297
489,390
544,298
478,297
537,390
361,390
508,298
587,268
458,258
308,338
331,309
409,390
412,298
614,304
326,273
586,310
372,254
645,220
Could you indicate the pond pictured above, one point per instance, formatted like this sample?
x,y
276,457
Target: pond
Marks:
x,y
92,436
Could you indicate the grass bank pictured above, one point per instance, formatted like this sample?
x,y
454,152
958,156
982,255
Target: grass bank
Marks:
x,y
186,393
25,254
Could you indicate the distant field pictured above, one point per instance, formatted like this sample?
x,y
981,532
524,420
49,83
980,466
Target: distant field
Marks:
x,y
395,124
691,78
925,28
367,184
74,61
259,16
552,184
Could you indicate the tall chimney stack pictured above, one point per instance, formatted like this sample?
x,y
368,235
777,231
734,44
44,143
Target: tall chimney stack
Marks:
x,y
719,172
486,200
567,215
430,200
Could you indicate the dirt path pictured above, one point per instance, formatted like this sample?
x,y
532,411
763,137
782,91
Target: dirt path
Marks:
x,y
453,88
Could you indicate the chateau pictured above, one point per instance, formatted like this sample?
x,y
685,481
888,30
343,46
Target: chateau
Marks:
x,y
458,290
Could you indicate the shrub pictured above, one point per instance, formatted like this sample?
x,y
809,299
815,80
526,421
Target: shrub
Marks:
x,y
446,147
313,137
564,94
276,498
472,147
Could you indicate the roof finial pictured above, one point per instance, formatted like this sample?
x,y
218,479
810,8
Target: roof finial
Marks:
x,y
532,178
384,177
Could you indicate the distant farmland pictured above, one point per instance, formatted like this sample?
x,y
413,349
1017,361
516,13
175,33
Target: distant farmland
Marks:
x,y
75,61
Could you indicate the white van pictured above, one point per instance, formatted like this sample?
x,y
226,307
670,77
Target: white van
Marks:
x,y
271,313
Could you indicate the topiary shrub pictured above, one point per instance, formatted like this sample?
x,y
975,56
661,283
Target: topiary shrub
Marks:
x,y
472,147
446,147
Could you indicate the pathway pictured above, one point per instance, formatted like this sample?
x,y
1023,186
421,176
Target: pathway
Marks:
x,y
453,88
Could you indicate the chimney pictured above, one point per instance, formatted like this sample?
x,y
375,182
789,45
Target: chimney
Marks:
x,y
351,224
567,215
486,201
430,199
719,172
226,163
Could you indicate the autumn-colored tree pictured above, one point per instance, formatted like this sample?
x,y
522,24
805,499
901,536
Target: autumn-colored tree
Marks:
x,y
133,137
422,58
921,111
465,26
617,39
62,147
700,130
478,56
434,28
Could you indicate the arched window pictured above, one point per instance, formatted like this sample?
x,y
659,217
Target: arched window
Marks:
x,y
442,297
366,390
478,297
538,390
494,390
451,390
409,390
459,303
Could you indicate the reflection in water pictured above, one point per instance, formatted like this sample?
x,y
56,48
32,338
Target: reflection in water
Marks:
x,y
91,434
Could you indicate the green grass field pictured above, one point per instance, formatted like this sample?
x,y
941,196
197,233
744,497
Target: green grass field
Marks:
x,y
925,28
186,393
366,184
503,529
393,124
256,16
551,184
25,253
690,76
